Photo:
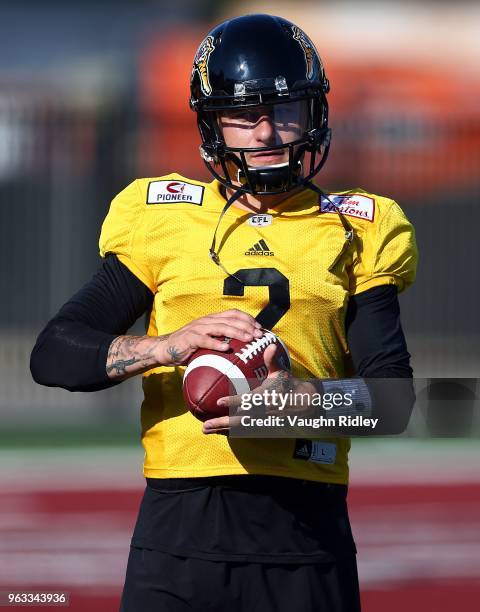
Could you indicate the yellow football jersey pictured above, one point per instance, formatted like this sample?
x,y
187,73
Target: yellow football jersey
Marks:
x,y
297,270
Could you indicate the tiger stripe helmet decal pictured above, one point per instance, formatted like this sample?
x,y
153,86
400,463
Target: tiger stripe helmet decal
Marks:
x,y
307,48
200,64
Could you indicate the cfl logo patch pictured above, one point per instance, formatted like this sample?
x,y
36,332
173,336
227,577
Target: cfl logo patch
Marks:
x,y
260,220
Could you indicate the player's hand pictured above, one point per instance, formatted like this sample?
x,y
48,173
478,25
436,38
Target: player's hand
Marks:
x,y
278,379
207,333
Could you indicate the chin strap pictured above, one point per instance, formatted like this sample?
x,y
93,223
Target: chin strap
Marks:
x,y
269,177
213,254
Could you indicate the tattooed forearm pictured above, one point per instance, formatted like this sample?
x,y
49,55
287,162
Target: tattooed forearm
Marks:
x,y
176,355
281,383
130,355
120,366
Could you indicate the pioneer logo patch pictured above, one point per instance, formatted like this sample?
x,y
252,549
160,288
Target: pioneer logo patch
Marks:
x,y
354,205
171,192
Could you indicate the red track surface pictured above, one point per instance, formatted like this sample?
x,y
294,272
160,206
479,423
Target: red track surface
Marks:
x,y
419,545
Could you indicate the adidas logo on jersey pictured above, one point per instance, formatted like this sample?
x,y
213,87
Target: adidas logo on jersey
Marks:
x,y
303,451
259,248
315,450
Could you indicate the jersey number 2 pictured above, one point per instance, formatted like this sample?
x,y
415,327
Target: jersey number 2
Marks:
x,y
278,291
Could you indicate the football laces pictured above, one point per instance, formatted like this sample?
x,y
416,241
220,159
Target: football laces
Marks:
x,y
252,348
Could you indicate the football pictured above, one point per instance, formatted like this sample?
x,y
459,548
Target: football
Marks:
x,y
211,375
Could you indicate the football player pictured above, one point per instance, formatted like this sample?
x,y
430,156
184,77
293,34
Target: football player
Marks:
x,y
236,523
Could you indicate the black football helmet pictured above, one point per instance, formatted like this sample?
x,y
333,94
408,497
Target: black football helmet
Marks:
x,y
260,61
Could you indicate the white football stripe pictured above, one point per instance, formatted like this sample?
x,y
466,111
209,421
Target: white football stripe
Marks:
x,y
223,365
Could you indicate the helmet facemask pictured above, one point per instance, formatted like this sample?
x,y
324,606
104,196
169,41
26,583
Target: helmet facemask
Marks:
x,y
294,152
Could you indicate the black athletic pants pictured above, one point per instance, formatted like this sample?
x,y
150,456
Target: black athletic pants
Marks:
x,y
159,582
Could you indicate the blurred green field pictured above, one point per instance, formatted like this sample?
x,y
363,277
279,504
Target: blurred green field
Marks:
x,y
40,437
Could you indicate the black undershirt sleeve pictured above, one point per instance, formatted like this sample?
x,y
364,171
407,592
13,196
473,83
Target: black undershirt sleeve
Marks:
x,y
379,353
71,352
375,336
